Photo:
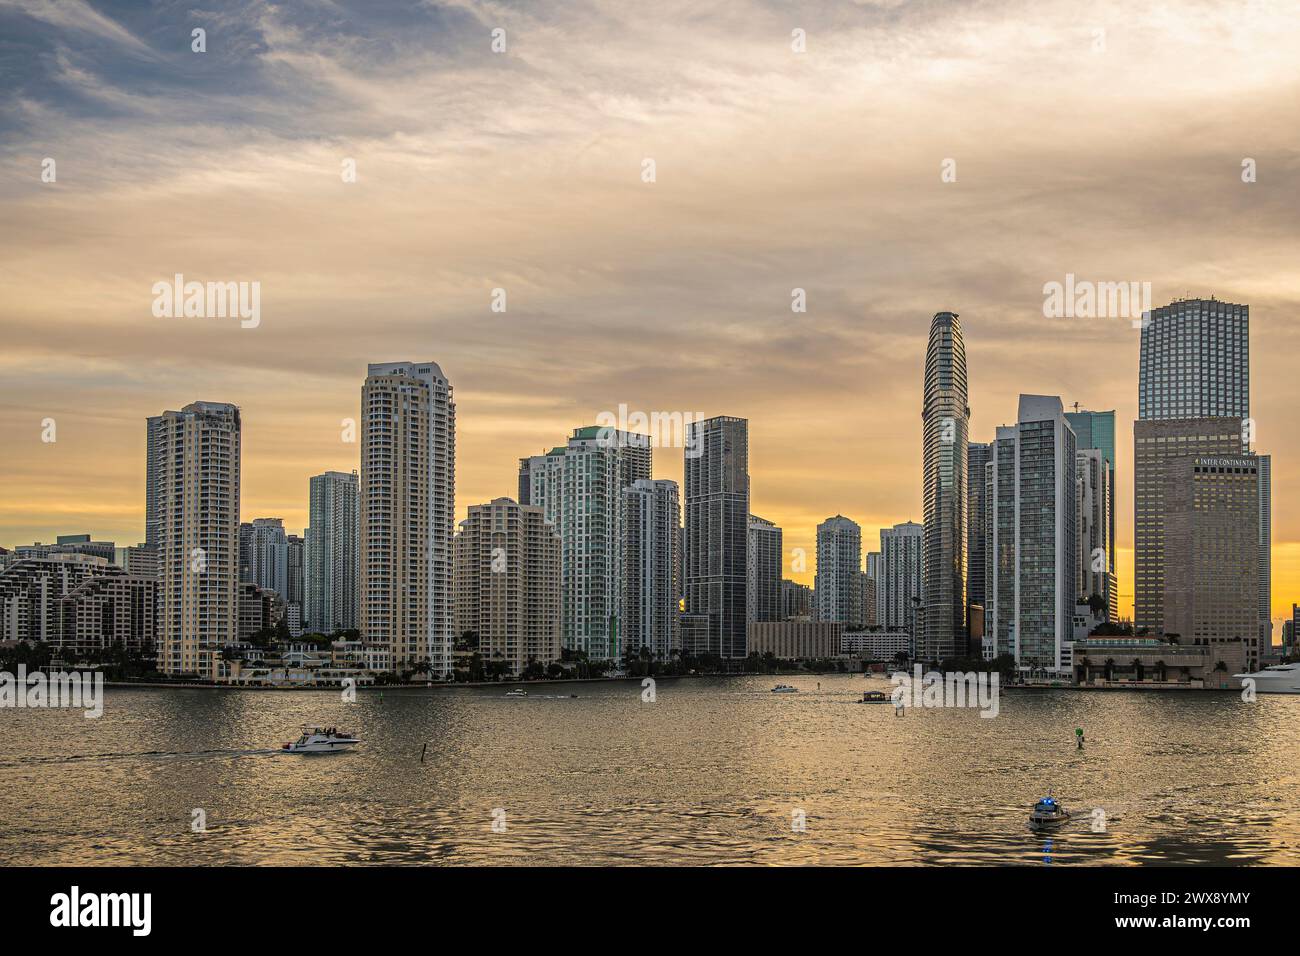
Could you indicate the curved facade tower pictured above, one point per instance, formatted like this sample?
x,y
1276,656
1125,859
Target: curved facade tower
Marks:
x,y
945,416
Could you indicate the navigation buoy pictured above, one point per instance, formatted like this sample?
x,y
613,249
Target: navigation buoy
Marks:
x,y
1078,734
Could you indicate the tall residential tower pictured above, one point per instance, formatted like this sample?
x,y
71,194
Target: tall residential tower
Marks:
x,y
945,417
407,502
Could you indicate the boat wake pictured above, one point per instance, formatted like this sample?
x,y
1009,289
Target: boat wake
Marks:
x,y
147,754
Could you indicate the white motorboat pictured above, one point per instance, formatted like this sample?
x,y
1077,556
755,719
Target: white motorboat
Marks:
x,y
1048,813
517,692
1275,679
321,740
784,689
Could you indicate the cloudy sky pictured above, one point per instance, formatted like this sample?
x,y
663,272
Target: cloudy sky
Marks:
x,y
1106,142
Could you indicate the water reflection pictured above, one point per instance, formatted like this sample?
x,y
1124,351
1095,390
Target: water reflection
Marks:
x,y
710,773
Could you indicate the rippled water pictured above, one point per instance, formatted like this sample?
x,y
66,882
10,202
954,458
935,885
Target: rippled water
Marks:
x,y
710,773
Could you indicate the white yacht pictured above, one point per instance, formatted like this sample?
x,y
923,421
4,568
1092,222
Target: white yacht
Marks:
x,y
321,740
1275,679
784,689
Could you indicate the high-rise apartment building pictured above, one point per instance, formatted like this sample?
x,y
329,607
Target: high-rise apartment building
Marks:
x,y
152,483
269,556
765,555
197,473
330,572
945,417
407,499
837,589
978,455
1033,578
898,585
717,522
506,573
579,487
651,517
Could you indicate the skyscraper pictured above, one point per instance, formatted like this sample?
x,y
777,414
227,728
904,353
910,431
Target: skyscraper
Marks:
x,y
407,500
1193,399
507,584
1034,581
837,588
331,553
579,487
978,455
1195,361
765,550
898,584
152,483
1156,445
1093,503
1096,431
197,520
269,557
1265,553
651,517
1211,592
945,417
717,520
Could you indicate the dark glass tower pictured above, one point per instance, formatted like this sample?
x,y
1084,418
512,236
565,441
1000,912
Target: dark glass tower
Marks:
x,y
945,417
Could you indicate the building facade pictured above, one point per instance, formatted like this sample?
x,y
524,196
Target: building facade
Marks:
x,y
579,487
651,517
978,455
506,574
407,495
1033,576
331,553
898,588
765,558
197,471
1195,361
837,589
1094,506
1096,431
717,523
796,640
1211,557
1156,446
945,417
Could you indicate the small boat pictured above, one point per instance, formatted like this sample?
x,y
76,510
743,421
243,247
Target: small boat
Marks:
x,y
784,689
874,697
1047,813
321,740
517,692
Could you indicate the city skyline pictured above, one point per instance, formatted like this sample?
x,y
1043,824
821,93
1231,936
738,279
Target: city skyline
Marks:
x,y
619,290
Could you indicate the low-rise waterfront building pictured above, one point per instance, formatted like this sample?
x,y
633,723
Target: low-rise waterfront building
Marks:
x,y
879,644
796,640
